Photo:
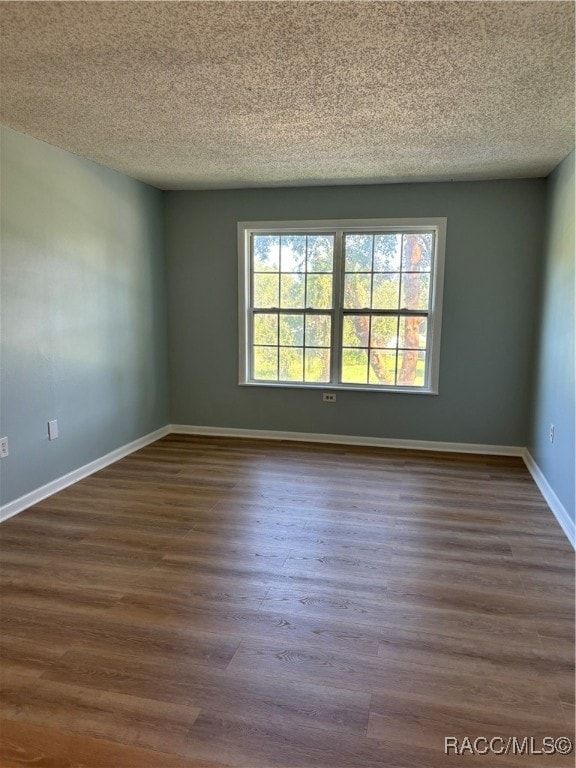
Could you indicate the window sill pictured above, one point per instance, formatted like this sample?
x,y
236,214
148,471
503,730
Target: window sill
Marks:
x,y
340,387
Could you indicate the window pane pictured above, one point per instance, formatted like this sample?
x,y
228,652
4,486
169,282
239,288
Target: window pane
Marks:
x,y
357,291
291,330
415,291
384,332
291,364
266,249
266,363
266,329
358,250
355,366
386,291
320,253
318,328
292,291
382,366
417,252
293,253
319,292
317,365
266,290
355,331
413,332
411,368
386,271
387,250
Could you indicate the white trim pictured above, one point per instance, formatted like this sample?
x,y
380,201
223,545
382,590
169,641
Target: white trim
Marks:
x,y
305,225
338,228
377,442
22,503
326,387
558,509
436,306
243,301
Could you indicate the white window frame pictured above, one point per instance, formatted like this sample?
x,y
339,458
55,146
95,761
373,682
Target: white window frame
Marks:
x,y
340,227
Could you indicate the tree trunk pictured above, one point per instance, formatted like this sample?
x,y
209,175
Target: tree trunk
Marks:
x,y
407,374
362,328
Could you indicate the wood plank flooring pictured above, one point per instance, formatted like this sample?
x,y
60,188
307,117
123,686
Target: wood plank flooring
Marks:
x,y
216,603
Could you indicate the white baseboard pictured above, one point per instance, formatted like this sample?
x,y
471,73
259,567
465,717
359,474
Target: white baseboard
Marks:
x,y
377,442
558,509
18,505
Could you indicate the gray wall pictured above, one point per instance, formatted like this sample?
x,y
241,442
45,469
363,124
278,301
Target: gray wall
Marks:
x,y
554,389
494,244
83,314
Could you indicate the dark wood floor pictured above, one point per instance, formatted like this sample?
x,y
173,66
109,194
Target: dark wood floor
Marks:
x,y
213,602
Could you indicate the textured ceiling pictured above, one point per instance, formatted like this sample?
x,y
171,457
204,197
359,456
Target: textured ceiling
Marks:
x,y
239,94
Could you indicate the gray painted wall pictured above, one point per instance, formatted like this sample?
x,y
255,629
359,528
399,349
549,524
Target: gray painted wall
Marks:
x,y
494,244
555,388
83,312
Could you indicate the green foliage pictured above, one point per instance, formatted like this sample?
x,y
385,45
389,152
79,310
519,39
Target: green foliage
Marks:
x,y
293,253
382,271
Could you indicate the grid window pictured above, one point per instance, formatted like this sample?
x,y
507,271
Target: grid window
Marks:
x,y
353,305
292,278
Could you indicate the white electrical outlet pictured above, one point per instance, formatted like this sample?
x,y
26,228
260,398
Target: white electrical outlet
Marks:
x,y
3,447
551,433
53,429
329,397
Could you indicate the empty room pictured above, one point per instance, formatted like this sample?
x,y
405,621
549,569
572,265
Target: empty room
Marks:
x,y
287,403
